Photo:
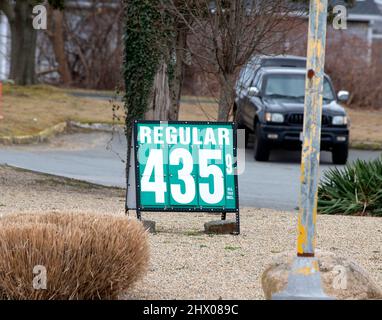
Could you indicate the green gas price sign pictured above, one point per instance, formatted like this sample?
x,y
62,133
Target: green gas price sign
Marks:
x,y
186,166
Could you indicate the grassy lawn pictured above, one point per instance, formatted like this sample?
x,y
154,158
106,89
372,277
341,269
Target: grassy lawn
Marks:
x,y
366,128
29,110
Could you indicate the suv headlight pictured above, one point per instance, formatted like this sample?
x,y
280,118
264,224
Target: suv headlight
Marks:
x,y
274,117
340,120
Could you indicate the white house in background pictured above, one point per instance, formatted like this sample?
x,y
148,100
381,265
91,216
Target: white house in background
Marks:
x,y
377,34
364,21
5,45
369,14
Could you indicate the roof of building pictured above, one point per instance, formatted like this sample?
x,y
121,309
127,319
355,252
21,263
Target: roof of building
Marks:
x,y
362,10
365,10
363,7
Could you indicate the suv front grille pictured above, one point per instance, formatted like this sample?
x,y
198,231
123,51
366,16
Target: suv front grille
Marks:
x,y
298,118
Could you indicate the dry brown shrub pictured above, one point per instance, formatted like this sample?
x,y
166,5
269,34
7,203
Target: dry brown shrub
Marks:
x,y
86,256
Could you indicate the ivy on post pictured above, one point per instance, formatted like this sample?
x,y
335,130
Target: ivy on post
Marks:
x,y
141,58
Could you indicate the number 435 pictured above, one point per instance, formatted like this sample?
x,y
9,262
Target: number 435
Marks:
x,y
155,166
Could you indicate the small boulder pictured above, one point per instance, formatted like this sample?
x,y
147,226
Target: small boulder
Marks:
x,y
220,227
149,225
341,278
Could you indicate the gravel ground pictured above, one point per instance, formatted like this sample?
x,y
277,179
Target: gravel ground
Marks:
x,y
185,263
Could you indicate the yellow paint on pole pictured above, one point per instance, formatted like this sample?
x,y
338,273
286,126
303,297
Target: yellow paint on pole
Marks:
x,y
308,270
304,281
312,127
302,236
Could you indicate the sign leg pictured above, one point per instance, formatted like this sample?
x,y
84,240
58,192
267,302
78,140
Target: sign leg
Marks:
x,y
237,223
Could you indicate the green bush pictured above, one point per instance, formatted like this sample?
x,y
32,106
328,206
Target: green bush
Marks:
x,y
354,190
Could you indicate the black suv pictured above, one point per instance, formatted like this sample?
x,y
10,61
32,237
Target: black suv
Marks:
x,y
270,103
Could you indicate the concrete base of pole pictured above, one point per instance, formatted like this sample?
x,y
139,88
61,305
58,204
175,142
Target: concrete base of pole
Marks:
x,y
304,282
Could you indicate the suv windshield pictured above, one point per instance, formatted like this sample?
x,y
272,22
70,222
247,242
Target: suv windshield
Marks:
x,y
291,86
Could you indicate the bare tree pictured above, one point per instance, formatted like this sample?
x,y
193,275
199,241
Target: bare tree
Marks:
x,y
94,44
179,52
167,87
224,35
23,38
160,102
83,44
56,33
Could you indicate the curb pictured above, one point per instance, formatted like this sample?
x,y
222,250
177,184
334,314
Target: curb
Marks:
x,y
367,145
61,127
40,137
106,127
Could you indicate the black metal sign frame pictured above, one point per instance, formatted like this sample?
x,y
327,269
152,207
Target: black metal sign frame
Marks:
x,y
139,208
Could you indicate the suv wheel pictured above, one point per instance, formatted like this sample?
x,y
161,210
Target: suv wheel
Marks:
x,y
340,154
261,149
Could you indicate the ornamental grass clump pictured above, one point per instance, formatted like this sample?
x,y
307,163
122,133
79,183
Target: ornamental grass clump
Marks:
x,y
85,256
354,190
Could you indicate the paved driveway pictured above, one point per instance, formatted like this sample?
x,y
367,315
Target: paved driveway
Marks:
x,y
97,157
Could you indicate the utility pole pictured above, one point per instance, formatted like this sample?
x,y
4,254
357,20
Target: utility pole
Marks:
x,y
304,280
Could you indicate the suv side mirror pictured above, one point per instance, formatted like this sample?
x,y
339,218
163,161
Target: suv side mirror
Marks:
x,y
343,96
253,92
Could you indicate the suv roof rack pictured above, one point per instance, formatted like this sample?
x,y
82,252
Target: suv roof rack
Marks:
x,y
286,61
281,61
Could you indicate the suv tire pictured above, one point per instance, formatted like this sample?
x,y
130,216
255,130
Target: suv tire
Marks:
x,y
261,150
340,154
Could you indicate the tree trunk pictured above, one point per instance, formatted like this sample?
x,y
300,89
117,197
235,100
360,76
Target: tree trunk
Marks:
x,y
56,36
227,97
177,82
160,104
23,45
